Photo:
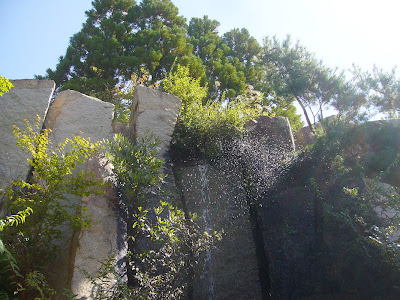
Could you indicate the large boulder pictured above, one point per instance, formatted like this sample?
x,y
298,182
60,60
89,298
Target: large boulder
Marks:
x,y
156,113
28,99
288,233
75,113
272,132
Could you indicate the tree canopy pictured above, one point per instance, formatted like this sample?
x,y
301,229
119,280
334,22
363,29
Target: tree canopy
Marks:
x,y
122,39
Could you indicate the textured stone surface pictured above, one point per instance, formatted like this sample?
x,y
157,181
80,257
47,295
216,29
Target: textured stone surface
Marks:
x,y
272,131
230,271
288,233
98,242
154,112
73,113
28,99
304,137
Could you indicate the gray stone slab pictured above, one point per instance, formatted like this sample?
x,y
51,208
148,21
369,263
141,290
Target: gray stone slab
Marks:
x,y
28,99
74,113
154,112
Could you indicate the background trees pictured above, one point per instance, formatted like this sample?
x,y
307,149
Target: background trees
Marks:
x,y
122,39
291,73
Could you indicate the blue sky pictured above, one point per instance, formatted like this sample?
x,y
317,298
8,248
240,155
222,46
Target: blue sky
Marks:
x,y
340,32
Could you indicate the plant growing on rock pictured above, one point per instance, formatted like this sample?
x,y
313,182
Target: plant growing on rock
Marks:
x,y
204,126
163,271
136,167
355,248
49,192
5,85
173,240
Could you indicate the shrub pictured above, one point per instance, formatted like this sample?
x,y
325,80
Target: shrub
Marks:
x,y
203,127
173,240
48,192
164,271
136,167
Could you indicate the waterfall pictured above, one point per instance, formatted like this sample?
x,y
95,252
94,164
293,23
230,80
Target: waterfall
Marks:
x,y
205,201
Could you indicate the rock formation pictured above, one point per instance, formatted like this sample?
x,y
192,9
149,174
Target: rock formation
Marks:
x,y
73,113
217,196
28,99
154,112
269,225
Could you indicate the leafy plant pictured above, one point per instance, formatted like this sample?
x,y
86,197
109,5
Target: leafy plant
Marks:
x,y
49,192
136,167
10,277
204,126
173,241
202,130
185,87
5,85
356,249
163,271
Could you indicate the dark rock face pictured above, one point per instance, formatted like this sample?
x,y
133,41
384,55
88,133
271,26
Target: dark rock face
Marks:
x,y
270,246
288,232
240,267
272,131
230,270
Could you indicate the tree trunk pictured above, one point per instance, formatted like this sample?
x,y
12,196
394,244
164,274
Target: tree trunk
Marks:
x,y
305,114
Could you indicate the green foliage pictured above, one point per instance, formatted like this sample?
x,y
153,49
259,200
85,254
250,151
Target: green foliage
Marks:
x,y
289,112
203,129
36,281
119,39
5,85
10,276
12,283
123,38
185,87
15,219
137,168
294,74
380,90
49,193
174,241
162,272
357,251
228,60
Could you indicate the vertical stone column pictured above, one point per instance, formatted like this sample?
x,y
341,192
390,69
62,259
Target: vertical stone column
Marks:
x,y
272,132
73,113
156,113
28,99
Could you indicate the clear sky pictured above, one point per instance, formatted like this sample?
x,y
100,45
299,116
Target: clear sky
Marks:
x,y
34,33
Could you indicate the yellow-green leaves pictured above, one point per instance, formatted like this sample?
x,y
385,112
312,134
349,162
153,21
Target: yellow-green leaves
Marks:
x,y
47,196
202,129
5,85
136,167
185,87
15,219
